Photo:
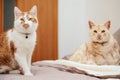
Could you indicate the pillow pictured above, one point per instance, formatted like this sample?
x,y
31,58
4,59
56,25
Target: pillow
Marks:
x,y
117,36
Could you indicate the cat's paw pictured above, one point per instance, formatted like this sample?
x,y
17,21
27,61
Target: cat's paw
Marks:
x,y
5,72
28,74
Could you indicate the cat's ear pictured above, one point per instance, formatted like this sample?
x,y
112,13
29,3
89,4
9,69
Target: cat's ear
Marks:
x,y
17,12
91,24
107,24
33,10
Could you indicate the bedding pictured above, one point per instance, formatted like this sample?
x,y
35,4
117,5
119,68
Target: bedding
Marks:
x,y
47,71
101,72
64,70
117,36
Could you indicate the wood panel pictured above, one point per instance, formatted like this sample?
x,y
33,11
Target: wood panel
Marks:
x,y
47,33
1,14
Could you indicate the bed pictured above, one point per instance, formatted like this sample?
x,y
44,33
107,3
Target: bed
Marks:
x,y
58,70
47,71
64,69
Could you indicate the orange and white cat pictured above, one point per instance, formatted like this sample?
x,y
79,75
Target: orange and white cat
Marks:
x,y
17,44
103,49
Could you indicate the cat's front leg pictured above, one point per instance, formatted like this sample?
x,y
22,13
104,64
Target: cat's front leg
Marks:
x,y
22,61
29,59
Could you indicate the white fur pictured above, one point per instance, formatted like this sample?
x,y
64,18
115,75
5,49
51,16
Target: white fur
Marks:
x,y
24,46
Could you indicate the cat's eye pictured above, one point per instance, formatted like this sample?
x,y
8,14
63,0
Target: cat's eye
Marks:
x,y
103,31
21,19
95,31
30,19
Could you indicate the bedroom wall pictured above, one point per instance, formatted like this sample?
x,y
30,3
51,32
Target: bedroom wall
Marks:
x,y
73,21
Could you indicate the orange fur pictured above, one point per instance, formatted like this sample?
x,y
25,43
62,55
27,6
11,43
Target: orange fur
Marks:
x,y
6,55
29,17
103,49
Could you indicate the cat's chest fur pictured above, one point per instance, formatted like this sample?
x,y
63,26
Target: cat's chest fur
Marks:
x,y
105,53
104,48
21,42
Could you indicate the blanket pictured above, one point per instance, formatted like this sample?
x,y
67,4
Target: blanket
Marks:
x,y
102,72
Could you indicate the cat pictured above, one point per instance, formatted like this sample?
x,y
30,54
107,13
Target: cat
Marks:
x,y
103,49
17,44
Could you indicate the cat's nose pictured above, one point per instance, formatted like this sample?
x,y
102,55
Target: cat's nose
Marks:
x,y
26,26
99,37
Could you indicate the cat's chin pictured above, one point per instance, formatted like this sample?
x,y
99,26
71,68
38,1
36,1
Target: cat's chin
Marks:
x,y
100,42
22,30
25,32
28,31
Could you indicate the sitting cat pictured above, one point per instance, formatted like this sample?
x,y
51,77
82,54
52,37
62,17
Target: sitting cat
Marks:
x,y
103,49
18,43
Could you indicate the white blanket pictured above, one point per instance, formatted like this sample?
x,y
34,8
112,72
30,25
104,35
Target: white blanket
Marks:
x,y
96,70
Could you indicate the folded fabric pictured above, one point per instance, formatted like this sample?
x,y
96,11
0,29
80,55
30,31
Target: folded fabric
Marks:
x,y
103,71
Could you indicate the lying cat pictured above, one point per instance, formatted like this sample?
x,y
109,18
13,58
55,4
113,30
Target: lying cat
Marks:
x,y
18,43
103,49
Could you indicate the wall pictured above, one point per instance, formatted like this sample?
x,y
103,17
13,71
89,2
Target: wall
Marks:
x,y
102,10
73,21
